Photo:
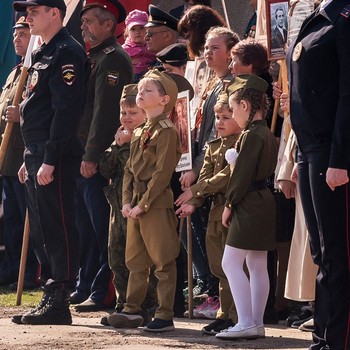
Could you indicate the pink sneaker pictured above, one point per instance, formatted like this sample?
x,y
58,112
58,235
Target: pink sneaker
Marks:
x,y
211,309
199,308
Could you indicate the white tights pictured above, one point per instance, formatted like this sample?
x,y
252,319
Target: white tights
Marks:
x,y
250,295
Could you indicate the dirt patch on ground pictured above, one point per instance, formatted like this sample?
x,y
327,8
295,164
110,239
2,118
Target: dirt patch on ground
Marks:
x,y
87,333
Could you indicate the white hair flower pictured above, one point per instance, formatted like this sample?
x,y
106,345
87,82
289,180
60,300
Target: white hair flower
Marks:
x,y
231,156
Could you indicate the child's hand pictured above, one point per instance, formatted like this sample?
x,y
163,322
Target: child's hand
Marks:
x,y
226,217
126,210
135,212
185,210
187,179
184,197
122,136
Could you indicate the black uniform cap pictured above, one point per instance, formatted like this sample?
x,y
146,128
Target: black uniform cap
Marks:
x,y
175,55
21,23
158,17
20,6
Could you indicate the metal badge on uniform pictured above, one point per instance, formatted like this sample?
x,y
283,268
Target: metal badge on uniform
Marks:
x,y
34,80
112,78
68,74
346,11
297,51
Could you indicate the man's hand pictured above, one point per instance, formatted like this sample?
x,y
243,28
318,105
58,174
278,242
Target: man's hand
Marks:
x,y
12,114
336,177
227,217
88,169
22,174
44,175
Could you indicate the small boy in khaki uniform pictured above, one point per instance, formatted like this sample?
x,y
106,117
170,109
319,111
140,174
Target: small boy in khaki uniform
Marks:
x,y
148,204
111,165
213,181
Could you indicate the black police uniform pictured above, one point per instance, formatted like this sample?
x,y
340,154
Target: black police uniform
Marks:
x,y
50,115
319,61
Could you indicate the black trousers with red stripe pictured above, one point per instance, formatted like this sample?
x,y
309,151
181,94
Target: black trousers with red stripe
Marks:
x,y
327,219
52,217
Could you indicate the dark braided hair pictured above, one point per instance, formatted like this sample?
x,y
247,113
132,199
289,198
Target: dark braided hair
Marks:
x,y
257,99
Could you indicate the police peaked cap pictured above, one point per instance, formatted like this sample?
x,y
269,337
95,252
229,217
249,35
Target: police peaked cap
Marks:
x,y
113,6
158,17
21,23
175,55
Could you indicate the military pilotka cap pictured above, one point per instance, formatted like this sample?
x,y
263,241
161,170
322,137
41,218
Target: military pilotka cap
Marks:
x,y
168,84
113,6
129,90
175,55
158,17
248,81
21,23
20,6
222,98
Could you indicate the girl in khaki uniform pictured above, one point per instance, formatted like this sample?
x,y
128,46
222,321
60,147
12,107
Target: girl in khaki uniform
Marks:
x,y
250,208
148,204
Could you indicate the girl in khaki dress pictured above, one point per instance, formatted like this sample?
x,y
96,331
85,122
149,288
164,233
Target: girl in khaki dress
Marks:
x,y
250,208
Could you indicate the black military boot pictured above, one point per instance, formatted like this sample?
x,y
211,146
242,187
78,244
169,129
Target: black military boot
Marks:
x,y
18,318
55,312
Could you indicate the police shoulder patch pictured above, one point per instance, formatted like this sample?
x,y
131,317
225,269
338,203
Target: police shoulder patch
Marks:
x,y
68,74
108,50
112,78
165,123
346,11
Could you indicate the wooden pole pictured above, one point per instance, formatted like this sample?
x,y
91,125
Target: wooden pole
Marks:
x,y
225,13
9,125
276,105
22,266
189,267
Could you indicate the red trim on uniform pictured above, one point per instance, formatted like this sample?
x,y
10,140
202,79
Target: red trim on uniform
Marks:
x,y
64,221
348,250
104,4
110,297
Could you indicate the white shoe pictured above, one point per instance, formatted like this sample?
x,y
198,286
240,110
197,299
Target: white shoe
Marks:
x,y
308,326
239,332
261,331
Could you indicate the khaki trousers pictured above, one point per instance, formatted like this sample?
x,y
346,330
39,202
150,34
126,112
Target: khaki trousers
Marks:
x,y
152,240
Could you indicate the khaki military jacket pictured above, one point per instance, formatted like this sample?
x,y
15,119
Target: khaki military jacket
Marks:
x,y
154,153
14,153
214,176
253,224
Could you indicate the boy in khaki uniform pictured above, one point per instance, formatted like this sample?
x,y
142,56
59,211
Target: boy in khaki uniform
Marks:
x,y
213,180
148,204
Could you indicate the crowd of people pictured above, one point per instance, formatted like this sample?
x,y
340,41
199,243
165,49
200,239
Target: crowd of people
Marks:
x,y
96,137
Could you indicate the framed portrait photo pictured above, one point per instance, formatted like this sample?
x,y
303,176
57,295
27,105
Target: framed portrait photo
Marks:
x,y
277,28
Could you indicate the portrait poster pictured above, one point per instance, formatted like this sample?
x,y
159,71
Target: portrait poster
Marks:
x,y
197,74
181,120
277,28
260,30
